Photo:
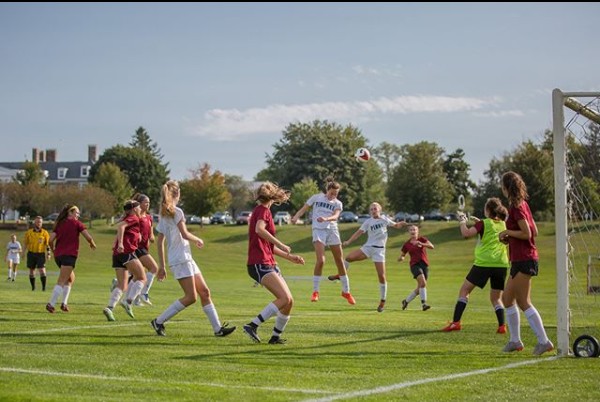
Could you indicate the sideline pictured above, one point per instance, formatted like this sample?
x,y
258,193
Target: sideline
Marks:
x,y
393,387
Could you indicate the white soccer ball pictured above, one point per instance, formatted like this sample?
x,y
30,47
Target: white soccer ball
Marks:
x,y
362,154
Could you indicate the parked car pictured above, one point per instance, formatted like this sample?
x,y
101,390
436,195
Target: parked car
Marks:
x,y
436,216
52,217
221,217
243,217
407,217
196,220
348,216
282,218
362,218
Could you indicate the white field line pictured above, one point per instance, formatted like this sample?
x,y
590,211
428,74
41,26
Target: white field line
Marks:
x,y
154,380
393,387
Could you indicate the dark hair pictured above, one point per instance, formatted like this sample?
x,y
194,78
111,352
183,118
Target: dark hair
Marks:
x,y
495,208
139,197
330,183
62,215
516,190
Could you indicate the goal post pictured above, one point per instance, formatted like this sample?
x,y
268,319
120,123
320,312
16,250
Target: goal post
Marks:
x,y
570,201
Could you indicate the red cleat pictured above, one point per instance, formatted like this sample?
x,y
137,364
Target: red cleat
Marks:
x,y
349,297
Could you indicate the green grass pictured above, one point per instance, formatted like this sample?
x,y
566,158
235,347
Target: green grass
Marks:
x,y
333,348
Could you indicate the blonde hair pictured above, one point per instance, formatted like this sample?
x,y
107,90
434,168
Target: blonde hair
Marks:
x,y
169,193
271,192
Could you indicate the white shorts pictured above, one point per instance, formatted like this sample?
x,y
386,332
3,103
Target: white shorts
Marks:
x,y
374,253
329,237
185,269
14,258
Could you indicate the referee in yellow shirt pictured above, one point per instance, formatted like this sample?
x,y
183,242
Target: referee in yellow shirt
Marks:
x,y
37,243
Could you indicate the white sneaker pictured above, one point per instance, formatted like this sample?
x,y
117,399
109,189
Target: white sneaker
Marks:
x,y
145,299
127,308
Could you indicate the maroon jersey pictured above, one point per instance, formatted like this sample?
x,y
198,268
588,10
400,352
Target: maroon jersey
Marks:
x,y
131,237
145,231
67,237
521,250
260,251
417,253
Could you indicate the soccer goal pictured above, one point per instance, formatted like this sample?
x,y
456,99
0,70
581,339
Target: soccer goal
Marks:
x,y
576,130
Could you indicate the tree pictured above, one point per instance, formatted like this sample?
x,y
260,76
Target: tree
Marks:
x,y
146,173
241,195
204,193
110,178
316,151
388,156
418,183
457,173
302,191
30,172
141,140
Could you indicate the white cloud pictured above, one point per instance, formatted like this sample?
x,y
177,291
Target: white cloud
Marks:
x,y
229,124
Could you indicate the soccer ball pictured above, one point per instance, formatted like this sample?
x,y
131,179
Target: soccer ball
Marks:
x,y
362,154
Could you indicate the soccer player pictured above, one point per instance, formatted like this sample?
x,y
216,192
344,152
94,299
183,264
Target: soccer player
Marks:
x,y
147,237
376,228
491,262
172,229
262,267
13,257
37,244
520,234
419,265
125,260
326,211
64,243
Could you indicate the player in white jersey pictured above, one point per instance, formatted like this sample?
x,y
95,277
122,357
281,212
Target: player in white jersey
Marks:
x,y
326,211
376,229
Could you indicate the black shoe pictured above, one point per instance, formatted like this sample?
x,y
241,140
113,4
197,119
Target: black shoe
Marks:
x,y
404,304
159,328
426,307
275,340
225,330
251,332
333,277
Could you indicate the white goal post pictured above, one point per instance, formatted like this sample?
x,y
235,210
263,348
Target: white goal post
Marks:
x,y
562,184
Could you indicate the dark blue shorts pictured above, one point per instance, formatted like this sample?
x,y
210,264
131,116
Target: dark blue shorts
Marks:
x,y
120,260
259,271
420,268
66,260
529,267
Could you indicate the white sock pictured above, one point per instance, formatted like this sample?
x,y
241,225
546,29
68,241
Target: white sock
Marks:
x,y
346,265
269,311
514,323
383,291
134,291
170,312
423,294
149,282
115,296
213,317
280,323
66,293
535,322
411,296
10,276
55,293
345,283
316,283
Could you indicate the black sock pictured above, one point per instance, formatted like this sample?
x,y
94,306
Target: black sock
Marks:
x,y
459,309
43,280
253,325
500,316
32,281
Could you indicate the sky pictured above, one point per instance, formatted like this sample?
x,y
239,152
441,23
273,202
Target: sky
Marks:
x,y
219,83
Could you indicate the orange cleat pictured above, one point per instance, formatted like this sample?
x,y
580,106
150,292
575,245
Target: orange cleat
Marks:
x,y
501,329
453,326
349,297
314,297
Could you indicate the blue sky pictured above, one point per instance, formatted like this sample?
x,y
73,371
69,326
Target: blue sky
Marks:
x,y
218,83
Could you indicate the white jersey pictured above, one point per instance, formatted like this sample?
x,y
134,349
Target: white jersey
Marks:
x,y
13,248
178,248
376,228
324,208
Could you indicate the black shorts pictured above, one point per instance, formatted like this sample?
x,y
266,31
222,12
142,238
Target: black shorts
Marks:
x,y
36,260
529,267
120,260
479,276
419,268
259,271
66,260
140,252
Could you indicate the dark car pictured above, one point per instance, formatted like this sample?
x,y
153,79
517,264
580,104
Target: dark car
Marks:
x,y
221,217
243,217
348,216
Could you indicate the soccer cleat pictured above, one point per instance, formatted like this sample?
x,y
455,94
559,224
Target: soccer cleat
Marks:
x,y
50,308
381,306
225,330
501,329
404,304
128,308
145,299
159,328
513,346
425,306
349,297
137,302
108,313
64,308
333,277
275,340
315,296
251,332
453,326
113,284
542,348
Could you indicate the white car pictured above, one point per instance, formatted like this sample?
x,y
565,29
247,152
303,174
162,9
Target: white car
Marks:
x,y
282,218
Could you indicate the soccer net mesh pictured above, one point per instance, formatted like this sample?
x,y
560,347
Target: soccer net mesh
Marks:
x,y
577,180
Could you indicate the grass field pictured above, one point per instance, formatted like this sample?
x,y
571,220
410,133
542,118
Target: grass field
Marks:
x,y
335,351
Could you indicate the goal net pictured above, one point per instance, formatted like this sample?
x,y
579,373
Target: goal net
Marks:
x,y
576,130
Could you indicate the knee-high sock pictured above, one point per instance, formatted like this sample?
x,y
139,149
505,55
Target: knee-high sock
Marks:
x,y
115,296
383,291
514,323
345,283
66,294
55,293
535,322
213,317
499,309
280,323
269,311
149,282
170,312
316,283
423,294
459,308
